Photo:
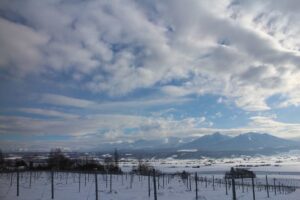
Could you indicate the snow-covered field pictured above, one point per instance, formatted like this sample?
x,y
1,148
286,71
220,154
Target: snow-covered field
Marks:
x,y
67,187
285,164
284,168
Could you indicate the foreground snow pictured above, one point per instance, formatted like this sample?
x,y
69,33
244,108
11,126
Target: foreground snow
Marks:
x,y
122,189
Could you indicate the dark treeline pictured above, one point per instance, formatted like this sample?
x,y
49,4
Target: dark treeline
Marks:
x,y
58,161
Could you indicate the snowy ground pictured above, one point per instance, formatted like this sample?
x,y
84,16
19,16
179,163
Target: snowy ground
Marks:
x,y
122,189
282,165
284,168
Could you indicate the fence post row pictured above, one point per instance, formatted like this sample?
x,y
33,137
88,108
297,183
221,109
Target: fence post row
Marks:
x,y
279,186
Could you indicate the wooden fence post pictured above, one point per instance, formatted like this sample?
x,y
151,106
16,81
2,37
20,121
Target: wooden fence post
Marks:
x,y
29,179
253,188
267,186
18,179
226,187
233,189
106,179
274,186
190,183
163,177
11,178
158,185
110,183
96,185
279,189
79,177
196,184
52,184
154,185
149,189
131,181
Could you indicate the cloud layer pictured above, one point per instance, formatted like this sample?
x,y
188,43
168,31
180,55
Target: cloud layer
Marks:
x,y
246,52
234,49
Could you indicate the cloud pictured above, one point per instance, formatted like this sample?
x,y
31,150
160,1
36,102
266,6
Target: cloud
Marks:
x,y
47,112
93,130
292,99
19,52
106,126
118,47
244,52
90,124
271,125
65,101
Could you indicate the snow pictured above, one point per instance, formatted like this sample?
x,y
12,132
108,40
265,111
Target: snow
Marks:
x,y
187,150
65,189
282,163
284,168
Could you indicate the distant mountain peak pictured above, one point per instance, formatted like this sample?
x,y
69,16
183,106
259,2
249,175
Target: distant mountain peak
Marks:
x,y
215,142
216,134
243,142
207,141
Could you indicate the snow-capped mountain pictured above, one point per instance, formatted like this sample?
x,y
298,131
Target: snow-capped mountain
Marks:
x,y
244,142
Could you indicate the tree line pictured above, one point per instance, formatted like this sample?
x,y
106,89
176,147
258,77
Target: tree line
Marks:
x,y
58,161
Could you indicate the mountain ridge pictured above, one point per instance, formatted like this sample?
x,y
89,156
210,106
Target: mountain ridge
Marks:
x,y
250,141
247,142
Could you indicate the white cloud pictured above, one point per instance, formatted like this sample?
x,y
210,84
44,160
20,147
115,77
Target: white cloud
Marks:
x,y
47,112
19,52
246,51
92,130
220,100
271,125
108,128
292,99
61,100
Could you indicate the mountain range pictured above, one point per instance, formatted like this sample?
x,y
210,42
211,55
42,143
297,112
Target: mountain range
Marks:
x,y
244,142
214,144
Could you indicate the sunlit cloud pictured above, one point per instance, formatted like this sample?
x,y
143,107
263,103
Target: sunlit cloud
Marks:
x,y
145,65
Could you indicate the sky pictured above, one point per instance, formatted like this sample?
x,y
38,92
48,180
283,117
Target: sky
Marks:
x,y
77,74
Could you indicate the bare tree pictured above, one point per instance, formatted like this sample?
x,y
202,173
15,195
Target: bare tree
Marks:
x,y
57,160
